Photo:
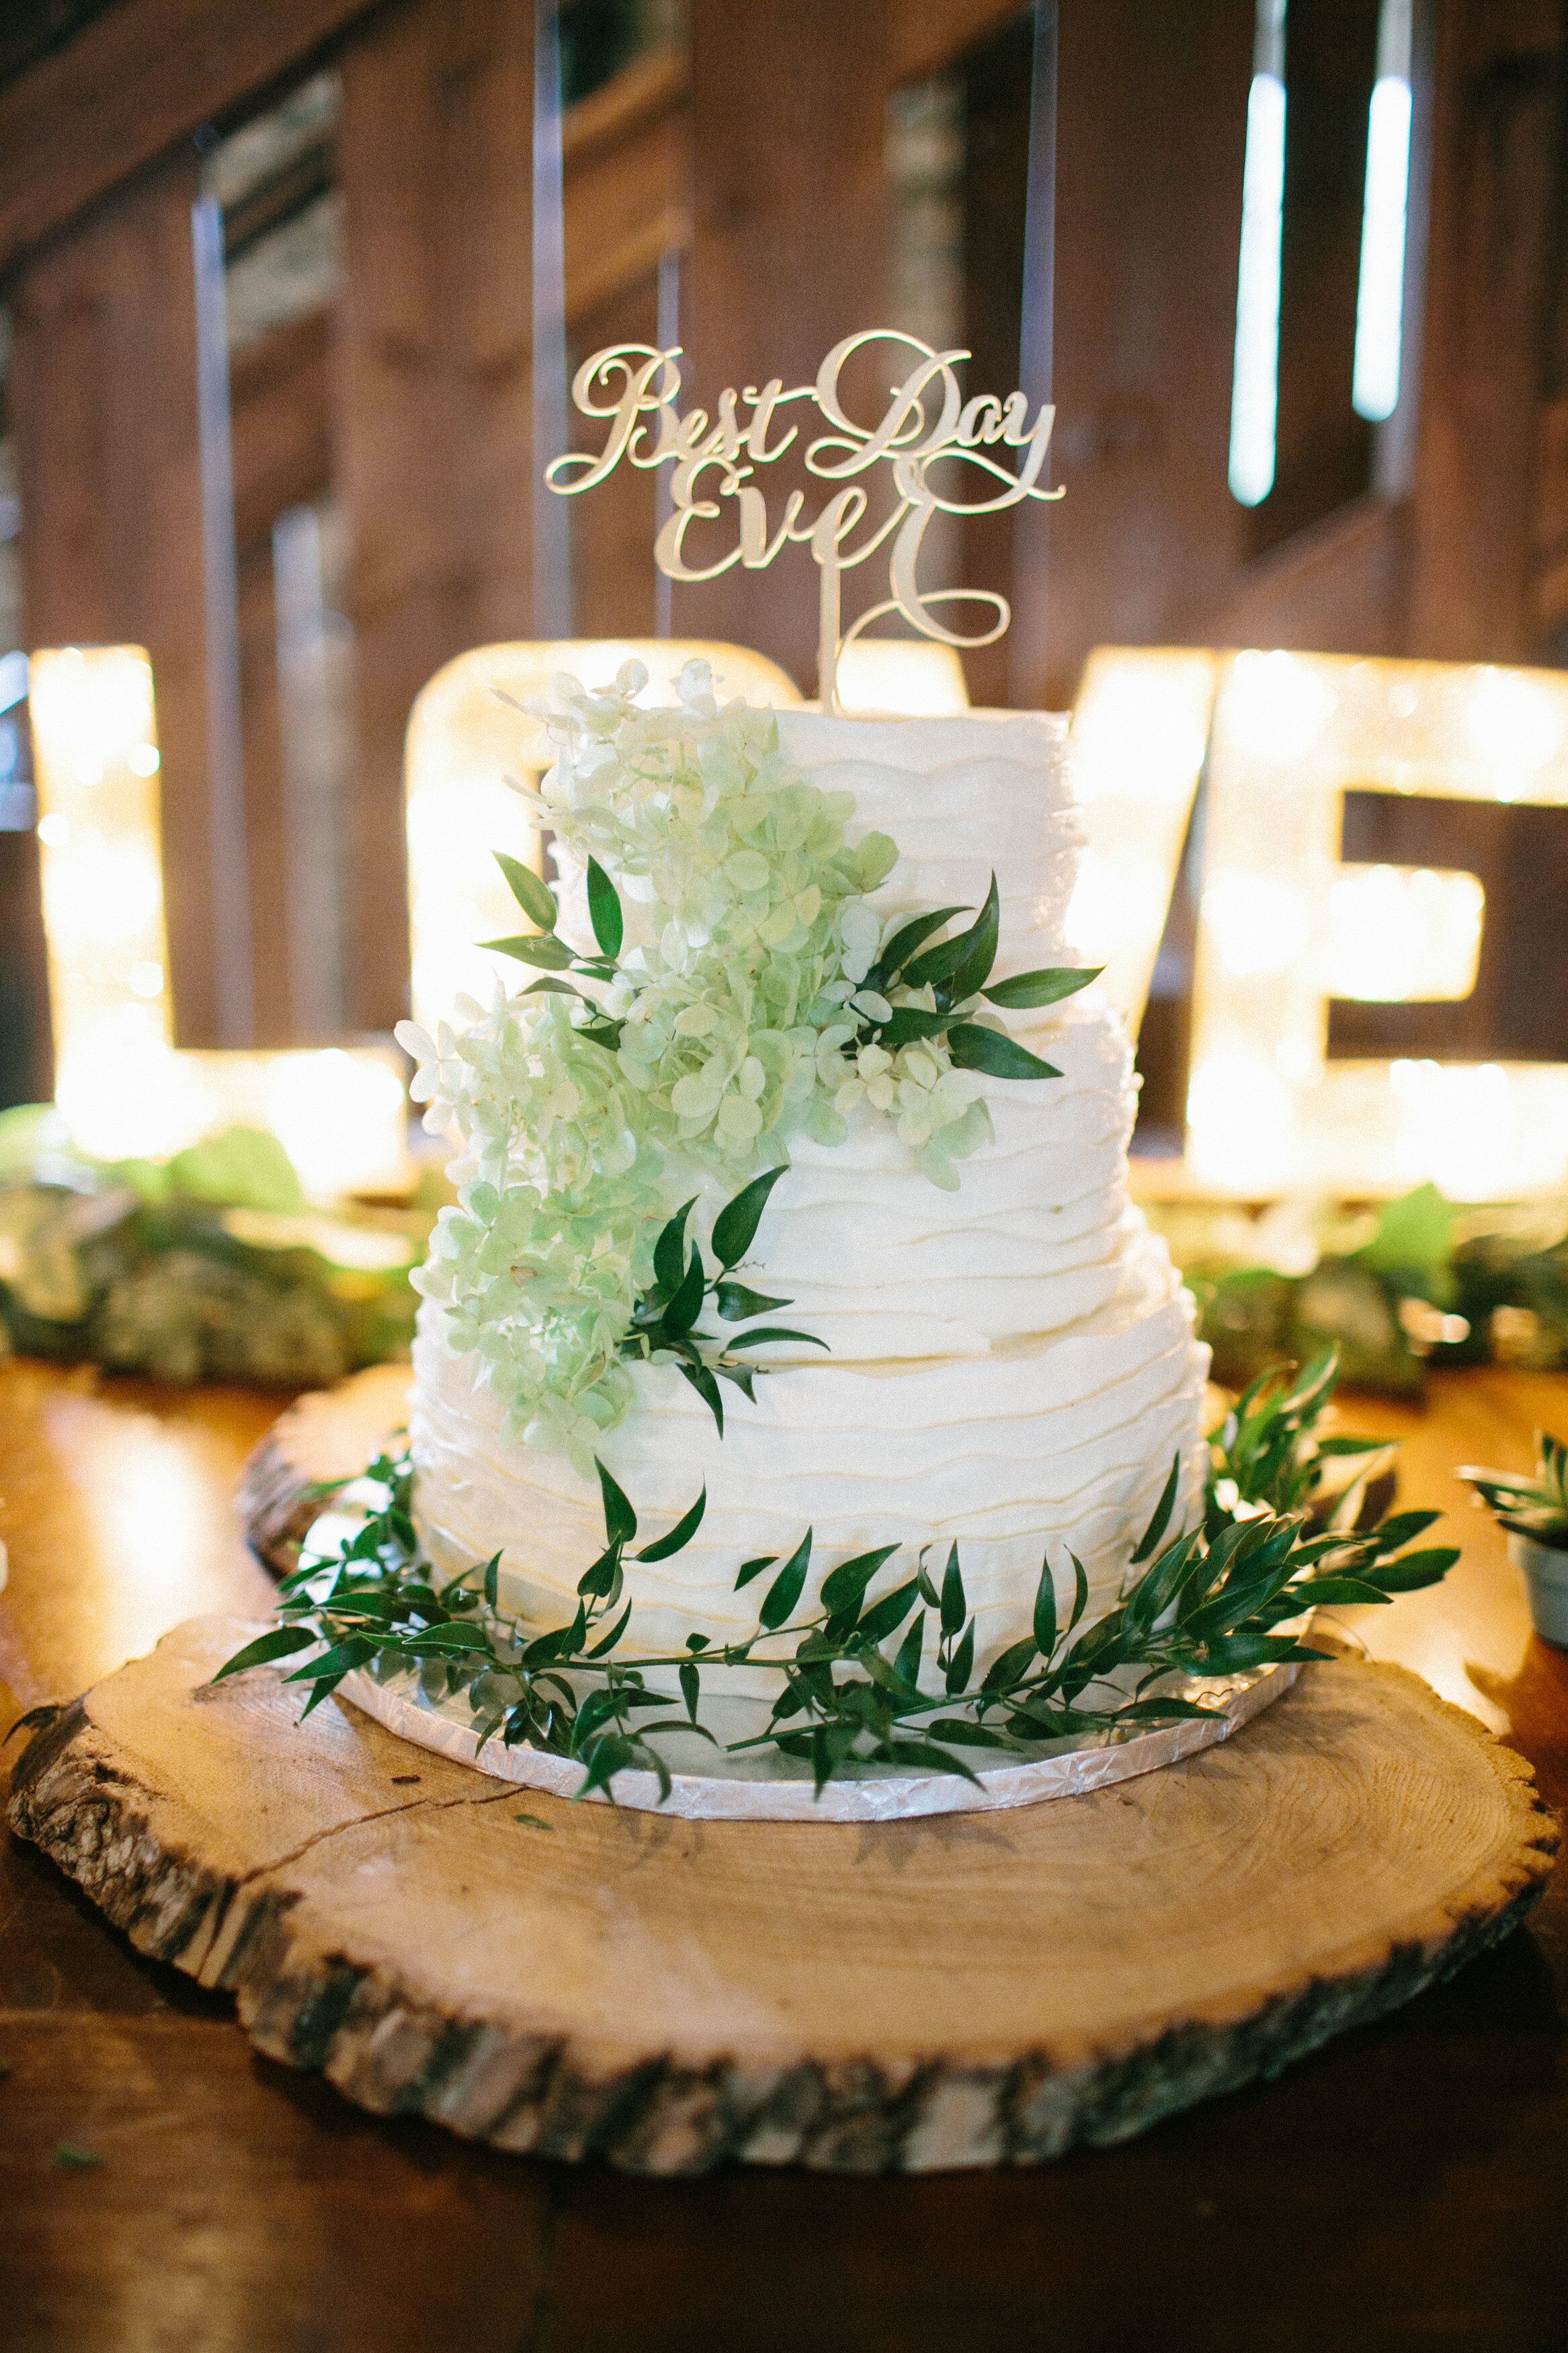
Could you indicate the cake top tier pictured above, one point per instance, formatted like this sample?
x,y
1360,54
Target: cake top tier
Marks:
x,y
964,797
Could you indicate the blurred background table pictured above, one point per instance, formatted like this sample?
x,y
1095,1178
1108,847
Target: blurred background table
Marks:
x,y
1405,2188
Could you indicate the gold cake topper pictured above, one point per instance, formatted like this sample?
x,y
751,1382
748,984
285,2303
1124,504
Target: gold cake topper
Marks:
x,y
927,423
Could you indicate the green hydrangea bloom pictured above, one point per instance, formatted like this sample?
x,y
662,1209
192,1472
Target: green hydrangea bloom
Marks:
x,y
749,934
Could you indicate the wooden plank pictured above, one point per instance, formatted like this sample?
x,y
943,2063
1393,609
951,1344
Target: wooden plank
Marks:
x,y
434,403
1151,133
1488,300
624,190
140,78
281,399
929,36
26,1062
1323,456
1338,588
103,397
612,533
790,251
268,864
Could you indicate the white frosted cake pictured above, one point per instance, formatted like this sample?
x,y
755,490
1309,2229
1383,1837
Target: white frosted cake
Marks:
x,y
1010,1363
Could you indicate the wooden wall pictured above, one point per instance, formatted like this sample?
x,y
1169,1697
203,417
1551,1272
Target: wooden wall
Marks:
x,y
757,159
104,408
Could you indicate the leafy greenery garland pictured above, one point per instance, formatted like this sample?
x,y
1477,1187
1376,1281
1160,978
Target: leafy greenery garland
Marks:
x,y
1209,1602
767,1000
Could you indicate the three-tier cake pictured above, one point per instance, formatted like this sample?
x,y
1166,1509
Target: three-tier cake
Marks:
x,y
1010,1364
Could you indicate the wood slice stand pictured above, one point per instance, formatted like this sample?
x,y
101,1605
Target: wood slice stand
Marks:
x,y
969,1991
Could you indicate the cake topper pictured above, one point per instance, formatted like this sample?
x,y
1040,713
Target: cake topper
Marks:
x,y
927,423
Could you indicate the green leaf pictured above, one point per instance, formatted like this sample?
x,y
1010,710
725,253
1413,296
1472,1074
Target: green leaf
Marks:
x,y
774,1331
620,1520
1415,1569
340,1661
1340,1591
843,1587
735,1227
786,1587
884,1616
540,948
1080,1590
532,895
931,1759
969,1735
904,943
974,972
1046,1612
681,1534
685,1305
907,1665
607,1642
599,1578
611,1754
549,987
962,1665
749,1568
707,1389
278,1644
606,1034
939,964
691,1680
974,1049
1025,990
735,1301
1011,1667
670,1251
909,1025
954,1605
1162,1510
1400,1527
604,910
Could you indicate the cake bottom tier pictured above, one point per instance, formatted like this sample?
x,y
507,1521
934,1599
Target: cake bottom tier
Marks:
x,y
1045,1446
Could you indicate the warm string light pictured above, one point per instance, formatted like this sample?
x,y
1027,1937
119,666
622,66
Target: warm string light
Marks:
x,y
124,1089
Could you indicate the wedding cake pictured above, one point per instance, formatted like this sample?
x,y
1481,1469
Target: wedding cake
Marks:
x,y
989,1346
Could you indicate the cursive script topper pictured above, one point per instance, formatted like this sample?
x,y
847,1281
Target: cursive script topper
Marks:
x,y
926,426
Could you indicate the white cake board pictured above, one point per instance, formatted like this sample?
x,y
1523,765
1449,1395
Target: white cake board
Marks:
x,y
762,1786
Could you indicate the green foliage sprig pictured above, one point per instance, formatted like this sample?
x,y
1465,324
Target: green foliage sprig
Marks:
x,y
550,954
664,1321
1537,1507
1207,1602
922,989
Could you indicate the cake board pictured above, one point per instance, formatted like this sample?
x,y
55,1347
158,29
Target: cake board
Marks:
x,y
905,1996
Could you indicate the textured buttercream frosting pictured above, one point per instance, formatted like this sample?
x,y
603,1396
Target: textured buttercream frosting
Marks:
x,y
1012,1365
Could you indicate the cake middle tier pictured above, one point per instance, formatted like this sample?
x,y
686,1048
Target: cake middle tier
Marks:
x,y
879,1263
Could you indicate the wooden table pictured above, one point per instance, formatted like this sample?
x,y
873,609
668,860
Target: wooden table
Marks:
x,y
1406,2188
